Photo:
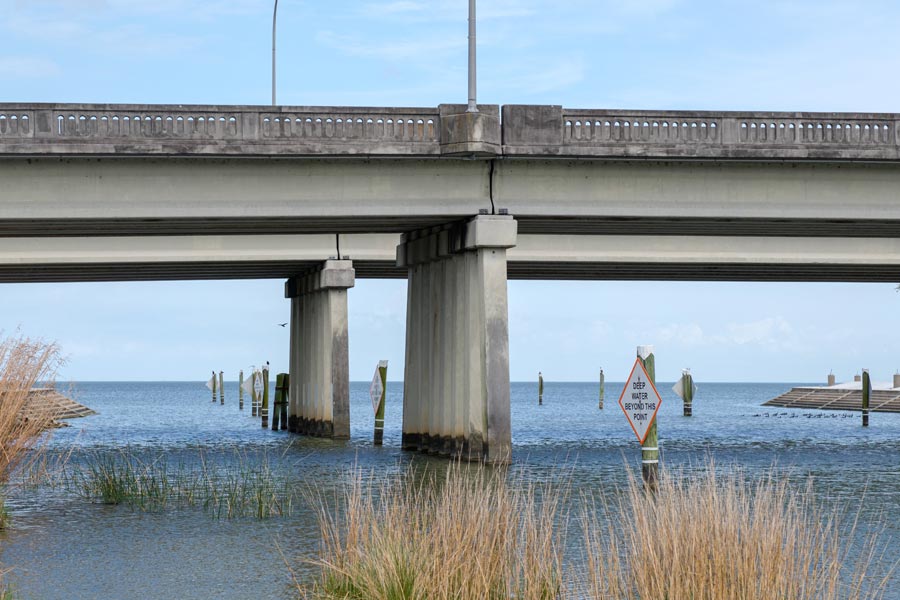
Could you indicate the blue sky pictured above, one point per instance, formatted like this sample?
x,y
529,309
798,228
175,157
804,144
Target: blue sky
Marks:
x,y
666,54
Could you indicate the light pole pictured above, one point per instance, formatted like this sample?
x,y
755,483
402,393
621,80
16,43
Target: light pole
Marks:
x,y
473,106
274,21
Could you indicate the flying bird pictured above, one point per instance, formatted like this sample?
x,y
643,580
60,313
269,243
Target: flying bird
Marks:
x,y
281,324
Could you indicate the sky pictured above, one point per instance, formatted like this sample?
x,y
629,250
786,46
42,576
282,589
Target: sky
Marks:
x,y
820,55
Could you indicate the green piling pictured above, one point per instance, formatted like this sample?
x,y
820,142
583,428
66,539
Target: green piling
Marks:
x,y
866,392
540,389
213,386
379,411
241,389
285,398
222,387
264,406
602,388
650,446
687,385
280,394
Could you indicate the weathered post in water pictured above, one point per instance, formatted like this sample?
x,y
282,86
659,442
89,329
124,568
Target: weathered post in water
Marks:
x,y
866,392
222,387
241,389
285,398
831,379
280,389
602,388
650,444
213,385
254,394
377,391
264,406
687,386
540,388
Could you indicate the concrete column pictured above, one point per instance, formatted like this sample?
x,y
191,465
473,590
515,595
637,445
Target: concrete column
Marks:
x,y
320,358
456,393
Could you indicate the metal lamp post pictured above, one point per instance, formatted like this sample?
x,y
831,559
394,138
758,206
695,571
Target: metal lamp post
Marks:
x,y
274,22
473,107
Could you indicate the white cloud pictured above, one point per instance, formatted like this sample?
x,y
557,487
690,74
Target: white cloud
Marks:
x,y
27,66
429,49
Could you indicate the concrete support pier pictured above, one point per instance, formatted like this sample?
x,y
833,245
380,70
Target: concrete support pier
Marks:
x,y
319,354
456,384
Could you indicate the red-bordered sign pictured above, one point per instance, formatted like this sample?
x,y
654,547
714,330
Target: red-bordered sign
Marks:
x,y
640,401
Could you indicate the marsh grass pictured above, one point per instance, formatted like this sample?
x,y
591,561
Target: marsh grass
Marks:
x,y
722,537
24,362
245,488
470,533
474,534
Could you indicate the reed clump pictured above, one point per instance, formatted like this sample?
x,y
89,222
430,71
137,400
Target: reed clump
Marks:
x,y
473,534
24,362
721,537
468,534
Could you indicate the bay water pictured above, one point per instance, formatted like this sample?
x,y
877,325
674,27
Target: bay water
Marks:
x,y
63,545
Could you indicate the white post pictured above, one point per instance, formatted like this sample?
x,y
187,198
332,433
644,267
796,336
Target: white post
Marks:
x,y
473,107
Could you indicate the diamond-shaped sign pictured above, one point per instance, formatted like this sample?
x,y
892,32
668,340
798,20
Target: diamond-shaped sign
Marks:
x,y
258,383
376,390
639,401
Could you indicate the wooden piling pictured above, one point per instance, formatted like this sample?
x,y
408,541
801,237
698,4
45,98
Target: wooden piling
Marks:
x,y
264,405
379,411
241,389
285,399
222,387
866,392
687,385
602,388
214,385
254,397
831,379
540,389
280,392
650,446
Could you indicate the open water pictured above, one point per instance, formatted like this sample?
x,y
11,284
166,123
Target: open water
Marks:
x,y
62,545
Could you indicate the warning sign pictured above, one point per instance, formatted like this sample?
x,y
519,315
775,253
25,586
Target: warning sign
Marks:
x,y
639,400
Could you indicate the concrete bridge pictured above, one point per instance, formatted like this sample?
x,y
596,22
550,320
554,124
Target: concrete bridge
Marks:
x,y
456,202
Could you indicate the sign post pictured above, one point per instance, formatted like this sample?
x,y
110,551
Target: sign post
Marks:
x,y
640,402
377,393
686,388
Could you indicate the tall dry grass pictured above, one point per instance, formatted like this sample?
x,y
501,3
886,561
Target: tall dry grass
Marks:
x,y
473,535
24,362
715,537
470,534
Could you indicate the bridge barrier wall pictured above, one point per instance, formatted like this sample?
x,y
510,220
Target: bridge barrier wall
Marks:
x,y
446,130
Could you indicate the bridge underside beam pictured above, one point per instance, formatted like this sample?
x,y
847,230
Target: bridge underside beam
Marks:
x,y
660,257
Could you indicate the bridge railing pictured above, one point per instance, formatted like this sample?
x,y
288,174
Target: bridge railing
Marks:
x,y
530,130
221,129
444,130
